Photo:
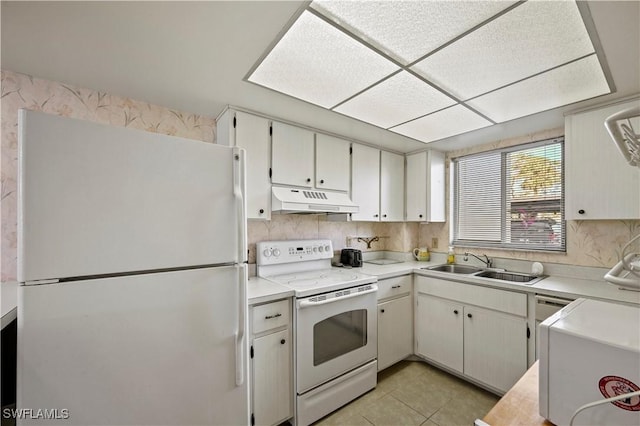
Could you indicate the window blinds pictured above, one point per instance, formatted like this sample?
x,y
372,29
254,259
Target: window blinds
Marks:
x,y
511,198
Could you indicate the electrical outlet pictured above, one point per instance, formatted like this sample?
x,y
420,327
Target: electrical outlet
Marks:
x,y
434,243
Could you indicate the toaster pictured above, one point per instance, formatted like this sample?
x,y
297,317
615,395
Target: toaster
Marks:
x,y
351,257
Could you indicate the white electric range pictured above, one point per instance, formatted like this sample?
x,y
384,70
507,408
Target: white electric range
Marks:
x,y
335,324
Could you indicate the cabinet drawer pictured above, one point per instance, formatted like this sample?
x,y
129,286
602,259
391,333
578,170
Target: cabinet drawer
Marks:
x,y
394,287
271,315
499,300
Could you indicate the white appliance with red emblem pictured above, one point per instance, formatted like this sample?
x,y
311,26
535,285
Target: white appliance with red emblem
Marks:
x,y
335,322
590,350
131,258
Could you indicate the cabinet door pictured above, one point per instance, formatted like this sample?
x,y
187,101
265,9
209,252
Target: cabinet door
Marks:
x,y
391,187
365,182
332,163
425,187
495,347
395,331
272,387
292,155
599,182
252,134
439,334
417,187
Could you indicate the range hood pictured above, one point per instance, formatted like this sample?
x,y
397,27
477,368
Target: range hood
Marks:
x,y
297,200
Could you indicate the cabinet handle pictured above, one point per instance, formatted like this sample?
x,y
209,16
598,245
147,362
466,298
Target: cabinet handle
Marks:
x,y
382,310
308,180
261,211
420,216
282,342
469,316
321,180
375,215
273,316
455,311
395,286
581,211
384,215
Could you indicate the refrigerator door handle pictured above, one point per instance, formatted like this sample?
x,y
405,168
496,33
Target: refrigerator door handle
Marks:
x,y
240,333
239,190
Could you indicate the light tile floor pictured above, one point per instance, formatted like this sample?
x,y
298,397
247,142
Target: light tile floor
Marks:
x,y
415,393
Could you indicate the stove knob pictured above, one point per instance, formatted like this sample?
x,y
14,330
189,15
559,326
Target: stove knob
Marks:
x,y
327,248
315,249
266,252
320,249
276,252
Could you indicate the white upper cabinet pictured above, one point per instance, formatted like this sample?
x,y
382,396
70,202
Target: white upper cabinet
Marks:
x,y
599,182
365,182
251,132
425,200
292,155
332,163
391,187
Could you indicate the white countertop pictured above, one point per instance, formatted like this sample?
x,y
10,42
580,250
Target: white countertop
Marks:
x,y
9,303
261,290
571,288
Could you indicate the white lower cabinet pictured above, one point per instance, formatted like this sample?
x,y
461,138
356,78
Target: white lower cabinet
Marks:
x,y
395,320
271,363
439,324
477,331
495,347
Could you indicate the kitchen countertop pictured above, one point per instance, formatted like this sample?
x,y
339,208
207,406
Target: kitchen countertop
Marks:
x,y
9,301
520,405
570,288
260,290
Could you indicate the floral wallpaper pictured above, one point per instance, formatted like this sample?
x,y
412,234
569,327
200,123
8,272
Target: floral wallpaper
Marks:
x,y
595,243
23,91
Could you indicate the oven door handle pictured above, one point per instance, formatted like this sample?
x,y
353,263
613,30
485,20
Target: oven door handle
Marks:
x,y
307,303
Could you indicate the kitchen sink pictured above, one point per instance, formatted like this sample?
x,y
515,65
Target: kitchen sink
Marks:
x,y
502,275
456,269
515,277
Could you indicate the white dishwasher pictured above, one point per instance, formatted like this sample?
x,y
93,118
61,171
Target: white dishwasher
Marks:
x,y
545,307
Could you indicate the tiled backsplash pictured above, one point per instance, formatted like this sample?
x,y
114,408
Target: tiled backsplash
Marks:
x,y
589,243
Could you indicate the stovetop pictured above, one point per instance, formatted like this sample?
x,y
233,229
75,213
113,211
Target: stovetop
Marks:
x,y
305,267
308,283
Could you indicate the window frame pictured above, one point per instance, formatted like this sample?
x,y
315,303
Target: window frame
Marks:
x,y
502,244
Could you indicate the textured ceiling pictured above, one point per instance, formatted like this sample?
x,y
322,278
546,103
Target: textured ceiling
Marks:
x,y
193,56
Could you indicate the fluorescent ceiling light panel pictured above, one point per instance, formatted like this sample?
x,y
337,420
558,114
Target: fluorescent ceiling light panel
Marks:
x,y
407,30
400,98
531,38
570,83
442,124
320,64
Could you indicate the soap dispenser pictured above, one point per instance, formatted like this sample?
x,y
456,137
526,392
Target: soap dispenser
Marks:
x,y
451,256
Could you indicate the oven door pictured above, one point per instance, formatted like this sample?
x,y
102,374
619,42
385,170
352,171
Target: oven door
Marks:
x,y
335,333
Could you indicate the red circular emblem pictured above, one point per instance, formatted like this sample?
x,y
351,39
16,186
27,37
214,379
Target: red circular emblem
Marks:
x,y
611,386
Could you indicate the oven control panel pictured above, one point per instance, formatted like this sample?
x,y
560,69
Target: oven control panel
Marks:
x,y
275,252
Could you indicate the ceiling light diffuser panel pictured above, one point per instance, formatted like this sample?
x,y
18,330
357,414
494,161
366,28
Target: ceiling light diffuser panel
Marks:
x,y
320,64
408,30
570,83
433,69
400,98
531,38
442,124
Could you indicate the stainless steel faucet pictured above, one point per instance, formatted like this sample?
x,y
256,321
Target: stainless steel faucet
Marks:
x,y
487,261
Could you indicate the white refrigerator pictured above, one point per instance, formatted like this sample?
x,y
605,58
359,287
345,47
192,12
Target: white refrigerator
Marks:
x,y
132,265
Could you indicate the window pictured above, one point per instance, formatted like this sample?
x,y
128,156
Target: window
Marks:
x,y
511,198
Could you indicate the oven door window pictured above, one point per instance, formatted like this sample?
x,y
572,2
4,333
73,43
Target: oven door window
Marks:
x,y
339,335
